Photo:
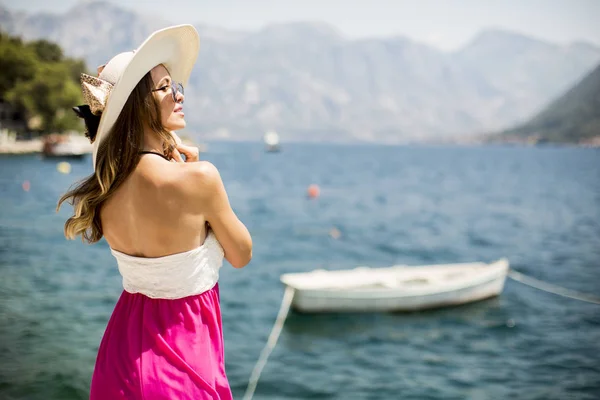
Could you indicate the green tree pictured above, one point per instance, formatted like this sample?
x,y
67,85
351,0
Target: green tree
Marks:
x,y
47,51
76,67
50,94
38,80
17,63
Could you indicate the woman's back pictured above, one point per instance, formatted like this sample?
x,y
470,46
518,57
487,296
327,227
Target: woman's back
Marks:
x,y
150,216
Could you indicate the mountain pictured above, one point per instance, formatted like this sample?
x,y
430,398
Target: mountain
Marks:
x,y
309,82
529,71
92,30
574,117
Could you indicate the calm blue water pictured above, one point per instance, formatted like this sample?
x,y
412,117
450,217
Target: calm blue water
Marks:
x,y
540,207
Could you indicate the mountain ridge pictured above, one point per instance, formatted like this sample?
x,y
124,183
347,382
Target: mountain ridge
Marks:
x,y
305,78
573,117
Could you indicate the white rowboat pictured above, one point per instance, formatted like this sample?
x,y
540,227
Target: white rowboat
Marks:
x,y
271,140
396,288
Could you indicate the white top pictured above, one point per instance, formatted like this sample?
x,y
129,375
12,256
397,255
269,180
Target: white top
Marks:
x,y
175,276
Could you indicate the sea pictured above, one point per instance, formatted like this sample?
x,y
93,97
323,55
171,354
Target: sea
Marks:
x,y
377,206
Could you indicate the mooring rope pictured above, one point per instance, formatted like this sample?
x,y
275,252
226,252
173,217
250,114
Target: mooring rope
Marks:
x,y
286,303
288,296
551,288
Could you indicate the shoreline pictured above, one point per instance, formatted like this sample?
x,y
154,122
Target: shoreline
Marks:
x,y
54,144
33,146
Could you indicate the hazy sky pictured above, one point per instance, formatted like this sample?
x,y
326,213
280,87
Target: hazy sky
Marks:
x,y
445,24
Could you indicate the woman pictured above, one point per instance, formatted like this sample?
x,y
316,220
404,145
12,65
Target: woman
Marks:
x,y
168,222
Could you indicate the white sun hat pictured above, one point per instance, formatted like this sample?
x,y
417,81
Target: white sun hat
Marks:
x,y
175,47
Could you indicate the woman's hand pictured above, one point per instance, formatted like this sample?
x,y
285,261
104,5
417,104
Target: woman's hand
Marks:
x,y
191,153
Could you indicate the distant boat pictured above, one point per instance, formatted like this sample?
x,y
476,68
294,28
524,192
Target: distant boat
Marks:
x,y
271,140
397,288
65,146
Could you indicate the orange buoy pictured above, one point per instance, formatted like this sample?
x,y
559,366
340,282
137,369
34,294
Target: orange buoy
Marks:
x,y
26,186
335,233
313,191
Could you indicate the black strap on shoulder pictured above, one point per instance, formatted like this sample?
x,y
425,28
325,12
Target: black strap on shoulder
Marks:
x,y
153,152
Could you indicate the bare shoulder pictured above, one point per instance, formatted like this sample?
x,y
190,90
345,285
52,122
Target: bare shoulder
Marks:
x,y
199,182
204,170
155,172
204,175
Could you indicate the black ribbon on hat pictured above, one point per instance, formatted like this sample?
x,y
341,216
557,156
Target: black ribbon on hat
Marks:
x,y
91,121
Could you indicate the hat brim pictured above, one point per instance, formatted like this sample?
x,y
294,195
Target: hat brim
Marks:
x,y
175,47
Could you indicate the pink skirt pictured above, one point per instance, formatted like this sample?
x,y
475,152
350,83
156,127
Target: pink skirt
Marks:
x,y
162,349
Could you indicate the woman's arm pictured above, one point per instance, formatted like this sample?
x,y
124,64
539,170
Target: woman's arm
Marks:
x,y
230,231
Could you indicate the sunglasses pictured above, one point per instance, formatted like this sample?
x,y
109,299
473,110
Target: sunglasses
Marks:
x,y
175,87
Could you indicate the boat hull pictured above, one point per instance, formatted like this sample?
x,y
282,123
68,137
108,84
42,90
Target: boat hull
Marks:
x,y
65,146
69,156
272,148
486,284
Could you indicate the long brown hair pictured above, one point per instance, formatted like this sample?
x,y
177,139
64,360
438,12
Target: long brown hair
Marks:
x,y
117,157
